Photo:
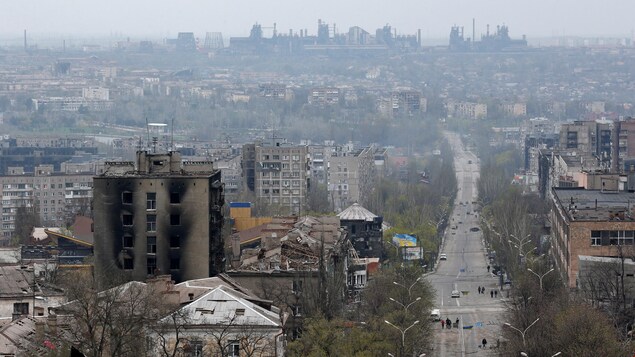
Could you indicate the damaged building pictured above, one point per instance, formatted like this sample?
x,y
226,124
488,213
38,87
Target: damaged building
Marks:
x,y
159,215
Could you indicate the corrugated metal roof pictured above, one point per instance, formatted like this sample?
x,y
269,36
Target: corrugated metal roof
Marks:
x,y
356,213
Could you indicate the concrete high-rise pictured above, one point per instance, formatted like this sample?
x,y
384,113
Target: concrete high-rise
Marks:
x,y
158,215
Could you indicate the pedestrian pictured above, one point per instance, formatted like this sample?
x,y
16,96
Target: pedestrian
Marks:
x,y
484,342
448,323
457,323
442,324
491,293
479,289
495,293
488,268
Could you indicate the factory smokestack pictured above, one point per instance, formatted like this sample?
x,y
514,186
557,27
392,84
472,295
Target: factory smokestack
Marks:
x,y
25,40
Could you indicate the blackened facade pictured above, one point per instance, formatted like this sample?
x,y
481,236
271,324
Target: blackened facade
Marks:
x,y
159,216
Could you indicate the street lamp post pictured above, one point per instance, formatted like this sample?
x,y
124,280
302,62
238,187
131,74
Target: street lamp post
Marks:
x,y
403,334
520,242
522,333
405,307
540,276
408,288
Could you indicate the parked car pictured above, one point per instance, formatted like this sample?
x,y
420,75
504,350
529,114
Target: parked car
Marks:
x,y
435,315
455,294
443,256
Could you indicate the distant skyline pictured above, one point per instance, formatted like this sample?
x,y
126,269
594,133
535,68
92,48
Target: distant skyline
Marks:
x,y
153,19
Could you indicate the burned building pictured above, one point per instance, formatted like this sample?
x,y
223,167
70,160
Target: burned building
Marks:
x,y
365,230
158,215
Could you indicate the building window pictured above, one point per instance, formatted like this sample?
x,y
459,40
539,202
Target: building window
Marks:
x,y
234,349
128,263
126,219
126,197
196,349
175,219
175,241
21,308
297,286
152,245
151,201
297,310
151,223
175,197
596,238
128,241
240,312
175,264
152,265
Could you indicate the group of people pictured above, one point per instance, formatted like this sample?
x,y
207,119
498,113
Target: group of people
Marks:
x,y
492,293
447,323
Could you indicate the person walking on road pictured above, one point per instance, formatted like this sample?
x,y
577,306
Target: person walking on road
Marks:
x,y
488,268
442,324
484,343
448,323
457,323
495,293
491,293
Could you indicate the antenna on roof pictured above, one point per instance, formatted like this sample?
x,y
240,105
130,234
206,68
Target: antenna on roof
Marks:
x,y
147,132
172,136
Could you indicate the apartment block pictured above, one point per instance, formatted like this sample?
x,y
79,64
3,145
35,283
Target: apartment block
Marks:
x,y
159,215
56,196
351,176
467,110
592,138
277,172
324,95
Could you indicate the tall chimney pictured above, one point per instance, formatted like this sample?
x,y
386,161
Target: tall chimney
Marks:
x,y
473,30
25,40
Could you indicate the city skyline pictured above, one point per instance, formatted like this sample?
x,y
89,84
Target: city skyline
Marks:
x,y
161,19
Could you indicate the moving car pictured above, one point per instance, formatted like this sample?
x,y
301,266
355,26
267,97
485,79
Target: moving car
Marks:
x,y
443,256
455,294
475,229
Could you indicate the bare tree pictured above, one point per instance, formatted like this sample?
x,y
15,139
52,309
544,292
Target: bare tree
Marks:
x,y
251,340
171,330
107,322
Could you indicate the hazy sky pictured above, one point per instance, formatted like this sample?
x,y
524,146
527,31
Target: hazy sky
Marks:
x,y
160,18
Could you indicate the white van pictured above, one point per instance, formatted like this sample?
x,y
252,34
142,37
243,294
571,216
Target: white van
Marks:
x,y
435,315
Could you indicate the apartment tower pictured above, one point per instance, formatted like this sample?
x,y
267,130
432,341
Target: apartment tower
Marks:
x,y
159,215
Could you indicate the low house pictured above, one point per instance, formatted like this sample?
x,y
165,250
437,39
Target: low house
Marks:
x,y
223,322
22,295
194,318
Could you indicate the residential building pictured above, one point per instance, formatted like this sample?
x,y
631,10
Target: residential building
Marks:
x,y
351,176
324,95
467,110
408,102
160,214
277,173
597,223
55,196
21,295
591,138
220,314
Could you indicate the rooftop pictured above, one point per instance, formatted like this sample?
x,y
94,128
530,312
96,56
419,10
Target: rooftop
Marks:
x,y
356,212
596,205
